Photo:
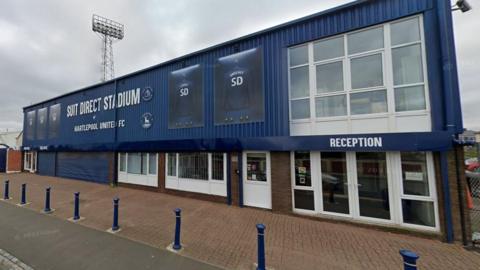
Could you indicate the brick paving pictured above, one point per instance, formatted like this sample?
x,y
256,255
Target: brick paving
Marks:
x,y
226,236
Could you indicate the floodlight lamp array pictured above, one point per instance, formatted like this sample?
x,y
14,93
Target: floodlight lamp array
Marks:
x,y
107,27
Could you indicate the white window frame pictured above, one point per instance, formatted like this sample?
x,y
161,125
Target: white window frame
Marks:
x,y
32,157
432,192
388,85
210,186
395,192
146,179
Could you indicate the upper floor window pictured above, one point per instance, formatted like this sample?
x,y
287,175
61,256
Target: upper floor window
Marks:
x,y
377,70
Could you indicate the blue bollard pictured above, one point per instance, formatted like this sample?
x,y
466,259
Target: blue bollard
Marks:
x,y
115,226
409,259
261,246
23,200
76,209
47,200
178,220
6,194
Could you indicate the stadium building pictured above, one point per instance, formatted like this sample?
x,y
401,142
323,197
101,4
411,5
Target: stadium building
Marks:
x,y
349,114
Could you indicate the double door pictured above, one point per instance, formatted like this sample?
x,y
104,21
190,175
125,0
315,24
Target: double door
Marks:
x,y
342,183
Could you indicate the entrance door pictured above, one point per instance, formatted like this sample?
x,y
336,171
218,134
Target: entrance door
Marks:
x,y
256,179
30,161
335,185
372,185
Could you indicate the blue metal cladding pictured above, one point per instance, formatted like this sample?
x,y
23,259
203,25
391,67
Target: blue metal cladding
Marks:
x,y
92,167
46,162
274,44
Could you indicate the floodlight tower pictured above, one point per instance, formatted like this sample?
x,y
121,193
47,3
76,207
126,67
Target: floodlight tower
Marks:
x,y
109,31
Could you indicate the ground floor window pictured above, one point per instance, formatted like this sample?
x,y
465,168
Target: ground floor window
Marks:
x,y
138,168
200,172
380,187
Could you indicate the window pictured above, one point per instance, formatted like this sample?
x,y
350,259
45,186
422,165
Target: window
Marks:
x,y
299,83
193,166
357,74
409,98
328,49
300,109
330,77
414,173
257,167
367,71
197,166
417,201
405,31
137,163
152,164
303,175
172,164
408,66
123,162
217,166
331,106
366,40
298,56
369,102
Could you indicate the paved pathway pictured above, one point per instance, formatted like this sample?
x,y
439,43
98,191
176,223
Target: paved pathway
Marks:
x,y
225,235
44,242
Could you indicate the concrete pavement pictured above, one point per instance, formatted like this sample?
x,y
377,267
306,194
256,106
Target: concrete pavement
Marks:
x,y
45,242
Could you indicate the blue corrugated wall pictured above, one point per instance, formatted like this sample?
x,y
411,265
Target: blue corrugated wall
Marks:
x,y
46,163
94,167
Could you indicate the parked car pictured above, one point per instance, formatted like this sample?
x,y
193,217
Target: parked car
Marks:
x,y
469,161
474,167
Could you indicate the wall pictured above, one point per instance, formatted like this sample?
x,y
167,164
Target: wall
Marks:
x,y
281,182
14,161
454,182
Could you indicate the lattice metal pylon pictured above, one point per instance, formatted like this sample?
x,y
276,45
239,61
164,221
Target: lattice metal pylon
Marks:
x,y
109,31
107,59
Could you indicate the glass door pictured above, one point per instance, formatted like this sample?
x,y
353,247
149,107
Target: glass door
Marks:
x,y
372,185
302,185
335,193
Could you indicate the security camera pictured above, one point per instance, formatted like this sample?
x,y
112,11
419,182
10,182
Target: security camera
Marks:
x,y
462,5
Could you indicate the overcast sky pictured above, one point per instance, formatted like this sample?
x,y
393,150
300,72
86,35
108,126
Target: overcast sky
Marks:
x,y
47,47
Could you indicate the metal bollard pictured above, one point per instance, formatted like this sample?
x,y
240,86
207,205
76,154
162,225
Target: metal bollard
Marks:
x,y
23,200
409,259
178,220
47,208
261,247
76,209
6,194
115,226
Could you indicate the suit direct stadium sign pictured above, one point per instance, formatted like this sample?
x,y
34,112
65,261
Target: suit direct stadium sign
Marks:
x,y
110,102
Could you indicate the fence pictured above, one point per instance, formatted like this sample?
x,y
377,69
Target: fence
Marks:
x,y
474,186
